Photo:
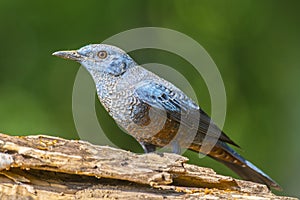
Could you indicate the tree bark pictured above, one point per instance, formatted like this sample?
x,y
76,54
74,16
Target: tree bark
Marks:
x,y
46,167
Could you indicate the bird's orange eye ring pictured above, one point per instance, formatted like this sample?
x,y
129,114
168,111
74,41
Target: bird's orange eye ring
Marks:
x,y
102,54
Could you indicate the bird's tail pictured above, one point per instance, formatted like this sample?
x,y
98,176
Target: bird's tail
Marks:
x,y
245,169
251,173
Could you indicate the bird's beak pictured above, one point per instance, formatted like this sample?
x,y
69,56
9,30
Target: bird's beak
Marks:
x,y
69,55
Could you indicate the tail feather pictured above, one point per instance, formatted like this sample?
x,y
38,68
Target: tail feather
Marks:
x,y
245,169
251,173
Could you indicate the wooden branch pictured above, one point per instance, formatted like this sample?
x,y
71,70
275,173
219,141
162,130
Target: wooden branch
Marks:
x,y
45,167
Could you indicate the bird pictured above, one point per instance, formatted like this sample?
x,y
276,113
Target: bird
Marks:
x,y
155,112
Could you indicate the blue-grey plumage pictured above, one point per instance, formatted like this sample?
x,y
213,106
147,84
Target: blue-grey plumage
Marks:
x,y
154,111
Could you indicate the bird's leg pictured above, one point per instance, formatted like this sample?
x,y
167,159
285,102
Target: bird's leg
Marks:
x,y
176,147
148,148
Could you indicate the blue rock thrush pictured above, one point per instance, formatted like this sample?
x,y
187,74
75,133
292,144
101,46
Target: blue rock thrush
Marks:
x,y
155,112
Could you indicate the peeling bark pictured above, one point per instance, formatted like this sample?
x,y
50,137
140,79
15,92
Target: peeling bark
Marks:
x,y
45,167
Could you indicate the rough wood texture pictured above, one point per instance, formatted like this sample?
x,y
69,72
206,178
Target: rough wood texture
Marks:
x,y
45,167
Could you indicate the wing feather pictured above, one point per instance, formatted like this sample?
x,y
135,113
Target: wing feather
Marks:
x,y
179,107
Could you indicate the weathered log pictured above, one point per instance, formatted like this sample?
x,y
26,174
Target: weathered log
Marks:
x,y
45,167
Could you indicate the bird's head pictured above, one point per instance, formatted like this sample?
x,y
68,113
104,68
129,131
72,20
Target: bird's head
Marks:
x,y
100,58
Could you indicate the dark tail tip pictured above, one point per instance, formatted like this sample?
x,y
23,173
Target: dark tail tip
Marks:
x,y
243,168
251,173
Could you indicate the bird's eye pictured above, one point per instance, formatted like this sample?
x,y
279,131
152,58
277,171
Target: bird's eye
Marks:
x,y
102,54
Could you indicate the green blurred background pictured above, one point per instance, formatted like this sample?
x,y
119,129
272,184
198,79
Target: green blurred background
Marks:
x,y
255,45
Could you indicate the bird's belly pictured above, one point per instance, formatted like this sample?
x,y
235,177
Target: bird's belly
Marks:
x,y
161,131
147,124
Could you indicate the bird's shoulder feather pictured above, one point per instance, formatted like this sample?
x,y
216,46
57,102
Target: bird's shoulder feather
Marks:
x,y
179,107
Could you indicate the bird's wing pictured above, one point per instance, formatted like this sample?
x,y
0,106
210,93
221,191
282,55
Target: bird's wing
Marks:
x,y
180,108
